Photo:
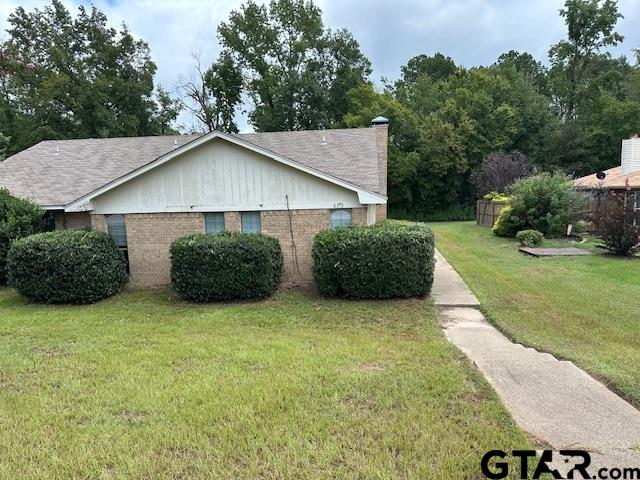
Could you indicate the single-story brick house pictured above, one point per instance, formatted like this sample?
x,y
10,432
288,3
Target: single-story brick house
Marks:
x,y
148,191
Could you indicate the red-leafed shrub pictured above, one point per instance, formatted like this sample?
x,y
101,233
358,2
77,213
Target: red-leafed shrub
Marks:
x,y
617,224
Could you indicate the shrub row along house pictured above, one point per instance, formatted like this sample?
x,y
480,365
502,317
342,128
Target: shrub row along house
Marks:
x,y
148,191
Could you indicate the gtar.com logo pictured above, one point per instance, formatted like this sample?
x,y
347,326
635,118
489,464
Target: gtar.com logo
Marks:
x,y
533,464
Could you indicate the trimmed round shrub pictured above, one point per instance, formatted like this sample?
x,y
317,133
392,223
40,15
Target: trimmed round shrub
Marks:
x,y
391,259
530,238
225,266
71,266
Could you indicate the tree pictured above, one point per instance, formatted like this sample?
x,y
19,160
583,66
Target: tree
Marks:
x,y
527,66
213,96
67,77
440,130
498,171
438,67
364,104
4,143
297,73
167,112
590,28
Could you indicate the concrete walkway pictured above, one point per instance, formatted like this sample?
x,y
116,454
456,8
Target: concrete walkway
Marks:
x,y
553,400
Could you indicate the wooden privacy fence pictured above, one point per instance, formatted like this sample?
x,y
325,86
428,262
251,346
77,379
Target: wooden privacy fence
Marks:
x,y
488,211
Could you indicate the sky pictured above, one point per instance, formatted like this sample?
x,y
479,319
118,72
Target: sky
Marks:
x,y
472,32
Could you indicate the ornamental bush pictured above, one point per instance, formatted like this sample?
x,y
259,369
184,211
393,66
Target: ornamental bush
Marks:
x,y
545,202
391,259
616,221
507,225
530,238
18,218
71,266
496,197
225,266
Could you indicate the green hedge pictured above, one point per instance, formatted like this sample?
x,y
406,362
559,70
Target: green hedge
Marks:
x,y
453,213
70,266
391,259
19,217
225,266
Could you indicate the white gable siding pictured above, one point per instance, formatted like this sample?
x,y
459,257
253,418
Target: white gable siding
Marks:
x,y
220,176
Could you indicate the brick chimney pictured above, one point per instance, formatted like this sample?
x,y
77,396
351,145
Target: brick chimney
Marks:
x,y
381,125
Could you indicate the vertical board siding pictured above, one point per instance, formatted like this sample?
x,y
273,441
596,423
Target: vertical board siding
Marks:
x,y
221,176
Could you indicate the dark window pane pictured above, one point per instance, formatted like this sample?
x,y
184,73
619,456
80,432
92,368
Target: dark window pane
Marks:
x,y
251,222
117,229
340,218
214,222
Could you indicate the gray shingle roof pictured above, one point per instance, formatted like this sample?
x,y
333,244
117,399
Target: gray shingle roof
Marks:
x,y
57,172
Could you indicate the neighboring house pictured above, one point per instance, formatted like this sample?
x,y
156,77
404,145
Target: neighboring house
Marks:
x,y
623,178
148,191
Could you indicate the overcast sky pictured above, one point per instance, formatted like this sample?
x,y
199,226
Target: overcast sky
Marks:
x,y
472,32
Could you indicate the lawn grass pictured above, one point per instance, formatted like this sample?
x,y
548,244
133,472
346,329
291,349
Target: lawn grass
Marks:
x,y
143,386
585,309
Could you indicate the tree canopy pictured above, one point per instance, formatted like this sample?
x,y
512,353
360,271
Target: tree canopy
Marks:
x,y
297,72
65,76
569,116
75,77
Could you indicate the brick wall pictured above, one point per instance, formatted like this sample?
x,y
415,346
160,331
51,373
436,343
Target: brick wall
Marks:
x,y
99,223
72,220
149,237
359,216
232,221
305,224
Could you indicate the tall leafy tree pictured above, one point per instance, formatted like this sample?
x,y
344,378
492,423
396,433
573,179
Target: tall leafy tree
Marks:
x,y
590,29
365,103
296,71
76,76
167,111
437,67
590,90
524,63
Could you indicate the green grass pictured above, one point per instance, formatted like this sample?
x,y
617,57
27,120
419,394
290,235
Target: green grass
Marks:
x,y
142,386
586,309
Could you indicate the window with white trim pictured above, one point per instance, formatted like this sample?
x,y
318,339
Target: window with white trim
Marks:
x,y
250,222
341,218
214,222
